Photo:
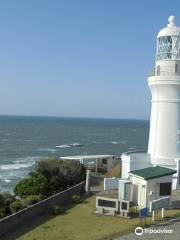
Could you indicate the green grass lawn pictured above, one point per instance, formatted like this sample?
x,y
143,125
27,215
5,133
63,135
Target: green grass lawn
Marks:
x,y
81,223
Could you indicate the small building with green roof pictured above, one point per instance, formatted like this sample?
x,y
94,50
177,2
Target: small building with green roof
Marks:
x,y
150,184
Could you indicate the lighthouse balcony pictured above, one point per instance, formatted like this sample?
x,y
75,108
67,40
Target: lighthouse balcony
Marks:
x,y
170,72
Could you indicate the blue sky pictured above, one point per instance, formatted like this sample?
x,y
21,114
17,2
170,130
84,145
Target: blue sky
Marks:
x,y
79,58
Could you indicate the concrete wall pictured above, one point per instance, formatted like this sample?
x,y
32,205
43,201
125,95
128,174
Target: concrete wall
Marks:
x,y
95,178
28,214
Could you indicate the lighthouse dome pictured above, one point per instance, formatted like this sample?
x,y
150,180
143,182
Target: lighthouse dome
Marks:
x,y
171,29
168,42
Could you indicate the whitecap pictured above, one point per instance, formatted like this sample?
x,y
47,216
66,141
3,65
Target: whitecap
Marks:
x,y
7,180
63,146
75,144
132,148
52,150
113,142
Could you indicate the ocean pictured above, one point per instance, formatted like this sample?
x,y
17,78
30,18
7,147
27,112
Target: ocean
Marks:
x,y
26,140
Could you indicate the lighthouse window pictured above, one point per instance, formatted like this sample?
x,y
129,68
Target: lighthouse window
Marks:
x,y
165,189
158,70
164,50
176,68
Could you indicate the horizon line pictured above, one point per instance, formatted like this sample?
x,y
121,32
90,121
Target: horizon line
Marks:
x,y
75,117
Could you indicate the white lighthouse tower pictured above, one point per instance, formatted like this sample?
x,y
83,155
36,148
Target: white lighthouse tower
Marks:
x,y
164,83
164,137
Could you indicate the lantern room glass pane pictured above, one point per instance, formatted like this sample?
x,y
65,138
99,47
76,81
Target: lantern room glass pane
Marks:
x,y
164,50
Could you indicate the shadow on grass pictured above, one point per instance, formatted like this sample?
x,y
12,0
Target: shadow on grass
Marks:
x,y
39,220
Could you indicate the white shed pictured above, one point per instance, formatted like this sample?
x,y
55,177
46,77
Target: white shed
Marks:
x,y
150,184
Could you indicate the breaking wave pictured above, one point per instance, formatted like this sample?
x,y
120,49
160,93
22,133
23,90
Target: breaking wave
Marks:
x,y
15,166
26,162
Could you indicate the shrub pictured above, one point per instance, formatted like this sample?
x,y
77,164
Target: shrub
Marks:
x,y
58,210
5,200
17,205
76,199
35,185
2,212
61,174
51,176
32,199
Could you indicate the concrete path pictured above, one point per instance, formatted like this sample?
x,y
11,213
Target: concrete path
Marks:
x,y
171,229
